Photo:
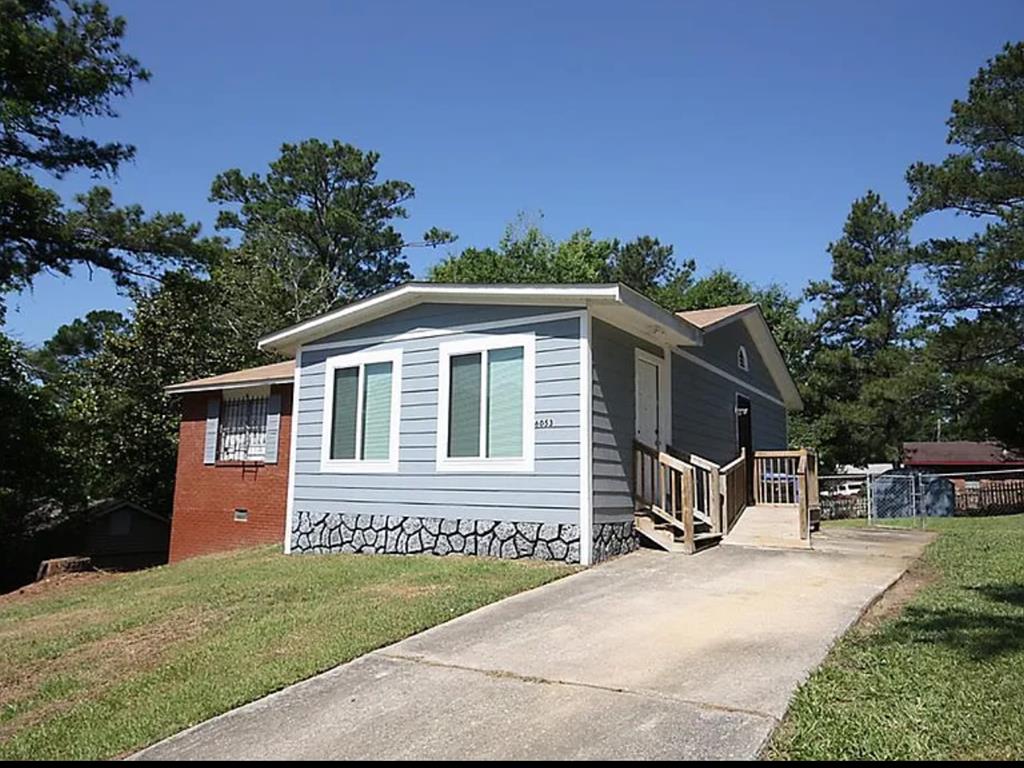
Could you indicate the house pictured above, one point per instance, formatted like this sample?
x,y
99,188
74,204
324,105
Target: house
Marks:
x,y
113,534
986,476
231,484
559,422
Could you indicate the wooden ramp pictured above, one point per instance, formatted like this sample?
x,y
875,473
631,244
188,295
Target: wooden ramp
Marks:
x,y
769,526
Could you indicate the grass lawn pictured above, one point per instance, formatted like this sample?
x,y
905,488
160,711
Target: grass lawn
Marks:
x,y
944,678
101,668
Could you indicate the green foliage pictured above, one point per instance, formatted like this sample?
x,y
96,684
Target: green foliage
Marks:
x,y
939,681
32,473
865,382
61,62
525,254
980,279
319,228
76,342
120,428
869,304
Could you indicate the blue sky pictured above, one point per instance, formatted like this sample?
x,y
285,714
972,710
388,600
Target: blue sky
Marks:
x,y
740,132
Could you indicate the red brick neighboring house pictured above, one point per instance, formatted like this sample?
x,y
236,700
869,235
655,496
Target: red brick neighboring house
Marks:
x,y
987,476
231,485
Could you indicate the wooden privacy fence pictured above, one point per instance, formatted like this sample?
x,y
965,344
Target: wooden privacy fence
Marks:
x,y
991,496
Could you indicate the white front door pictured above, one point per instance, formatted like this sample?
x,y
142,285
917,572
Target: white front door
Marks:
x,y
648,401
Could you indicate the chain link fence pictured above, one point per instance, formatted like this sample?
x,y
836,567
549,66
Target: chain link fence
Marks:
x,y
898,498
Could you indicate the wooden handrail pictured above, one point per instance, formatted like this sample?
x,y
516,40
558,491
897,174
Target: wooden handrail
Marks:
x,y
681,489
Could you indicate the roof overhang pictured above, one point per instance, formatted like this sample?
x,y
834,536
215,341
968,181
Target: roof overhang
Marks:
x,y
246,379
628,307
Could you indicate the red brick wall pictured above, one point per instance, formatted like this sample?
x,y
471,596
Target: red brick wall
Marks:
x,y
206,495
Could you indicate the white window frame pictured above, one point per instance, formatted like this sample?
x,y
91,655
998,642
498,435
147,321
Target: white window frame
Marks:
x,y
483,344
743,358
361,360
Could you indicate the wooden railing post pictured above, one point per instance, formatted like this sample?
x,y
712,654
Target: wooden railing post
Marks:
x,y
688,541
715,496
804,490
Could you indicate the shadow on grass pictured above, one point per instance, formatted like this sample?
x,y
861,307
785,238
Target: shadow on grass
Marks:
x,y
983,632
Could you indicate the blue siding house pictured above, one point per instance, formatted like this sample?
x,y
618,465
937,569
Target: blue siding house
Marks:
x,y
560,422
501,420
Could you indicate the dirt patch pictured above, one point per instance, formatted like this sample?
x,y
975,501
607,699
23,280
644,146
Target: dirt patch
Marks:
x,y
894,600
58,583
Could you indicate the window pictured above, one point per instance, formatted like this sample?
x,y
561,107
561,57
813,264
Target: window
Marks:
x,y
741,358
242,429
485,404
119,522
241,515
362,394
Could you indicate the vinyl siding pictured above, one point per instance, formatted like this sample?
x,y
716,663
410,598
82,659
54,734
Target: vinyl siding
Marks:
x,y
549,494
614,414
720,349
703,402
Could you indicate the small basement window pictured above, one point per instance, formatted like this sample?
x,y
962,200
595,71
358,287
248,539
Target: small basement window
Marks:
x,y
741,358
243,429
241,515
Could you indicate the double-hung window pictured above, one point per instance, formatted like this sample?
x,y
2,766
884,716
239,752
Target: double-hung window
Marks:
x,y
362,397
486,404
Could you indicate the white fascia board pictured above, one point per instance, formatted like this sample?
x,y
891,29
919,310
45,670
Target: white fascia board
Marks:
x,y
772,356
181,389
415,293
681,331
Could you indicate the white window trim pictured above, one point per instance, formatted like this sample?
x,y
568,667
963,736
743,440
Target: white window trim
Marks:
x,y
360,360
743,358
481,463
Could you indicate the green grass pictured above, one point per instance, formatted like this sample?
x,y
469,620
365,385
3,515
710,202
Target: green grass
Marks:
x,y
944,679
99,669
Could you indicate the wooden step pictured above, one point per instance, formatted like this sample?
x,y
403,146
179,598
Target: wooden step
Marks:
x,y
664,536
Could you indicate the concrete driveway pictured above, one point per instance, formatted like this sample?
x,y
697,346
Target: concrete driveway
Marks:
x,y
652,656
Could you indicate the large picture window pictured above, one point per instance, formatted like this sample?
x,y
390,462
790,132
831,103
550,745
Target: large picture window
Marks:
x,y
362,396
485,404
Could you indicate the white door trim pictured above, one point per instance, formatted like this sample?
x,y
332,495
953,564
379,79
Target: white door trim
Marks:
x,y
664,426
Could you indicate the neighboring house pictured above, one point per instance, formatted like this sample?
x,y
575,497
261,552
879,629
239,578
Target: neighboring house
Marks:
x,y
113,533
507,420
986,476
231,485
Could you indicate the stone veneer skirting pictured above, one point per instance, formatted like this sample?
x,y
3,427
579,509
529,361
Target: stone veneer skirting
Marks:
x,y
613,539
393,534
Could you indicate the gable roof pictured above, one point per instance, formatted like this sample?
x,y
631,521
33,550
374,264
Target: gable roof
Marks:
x,y
715,318
627,303
615,303
275,373
960,453
708,319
